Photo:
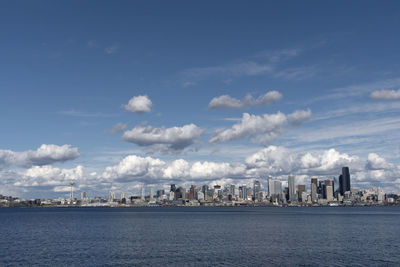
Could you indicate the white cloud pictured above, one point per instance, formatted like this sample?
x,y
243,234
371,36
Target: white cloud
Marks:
x,y
139,104
44,155
386,94
146,169
251,126
299,117
262,129
134,166
111,49
375,162
117,128
48,176
176,138
277,160
245,68
226,101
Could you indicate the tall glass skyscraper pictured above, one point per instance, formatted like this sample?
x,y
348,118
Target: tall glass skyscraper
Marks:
x,y
292,188
344,181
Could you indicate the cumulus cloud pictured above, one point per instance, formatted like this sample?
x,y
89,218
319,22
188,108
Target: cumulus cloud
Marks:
x,y
137,168
261,129
375,162
274,160
48,176
175,138
299,117
226,101
278,160
139,104
386,94
44,155
117,128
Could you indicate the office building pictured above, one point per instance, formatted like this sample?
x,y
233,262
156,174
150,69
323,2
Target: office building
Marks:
x,y
292,188
314,190
257,190
142,195
300,189
344,181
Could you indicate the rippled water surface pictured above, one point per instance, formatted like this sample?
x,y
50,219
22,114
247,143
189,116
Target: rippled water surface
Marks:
x,y
335,236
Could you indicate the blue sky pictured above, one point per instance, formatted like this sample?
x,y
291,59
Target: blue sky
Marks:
x,y
68,68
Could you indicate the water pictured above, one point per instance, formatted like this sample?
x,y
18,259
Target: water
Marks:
x,y
340,236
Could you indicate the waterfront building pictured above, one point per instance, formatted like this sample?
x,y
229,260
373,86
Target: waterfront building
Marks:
x,y
83,196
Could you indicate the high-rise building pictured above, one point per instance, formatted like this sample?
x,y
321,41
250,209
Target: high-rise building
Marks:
x,y
274,187
192,192
180,193
257,190
292,188
173,188
277,188
142,195
314,188
233,190
111,196
244,192
160,193
344,181
329,192
151,189
300,189
83,195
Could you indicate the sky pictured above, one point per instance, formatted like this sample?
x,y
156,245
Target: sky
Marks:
x,y
116,95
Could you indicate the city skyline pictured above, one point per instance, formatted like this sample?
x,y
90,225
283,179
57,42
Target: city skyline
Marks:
x,y
178,93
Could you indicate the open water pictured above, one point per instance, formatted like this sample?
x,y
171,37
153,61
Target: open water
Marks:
x,y
215,236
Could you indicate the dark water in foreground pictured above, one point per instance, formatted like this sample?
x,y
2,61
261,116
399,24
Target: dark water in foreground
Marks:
x,y
338,236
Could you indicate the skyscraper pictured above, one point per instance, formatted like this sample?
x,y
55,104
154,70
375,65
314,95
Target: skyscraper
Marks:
x,y
314,188
256,190
233,190
344,181
142,193
292,188
151,193
300,189
244,192
173,188
269,180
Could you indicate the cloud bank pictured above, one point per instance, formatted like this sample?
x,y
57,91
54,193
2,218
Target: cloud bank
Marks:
x,y
226,101
44,155
386,94
175,138
260,129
